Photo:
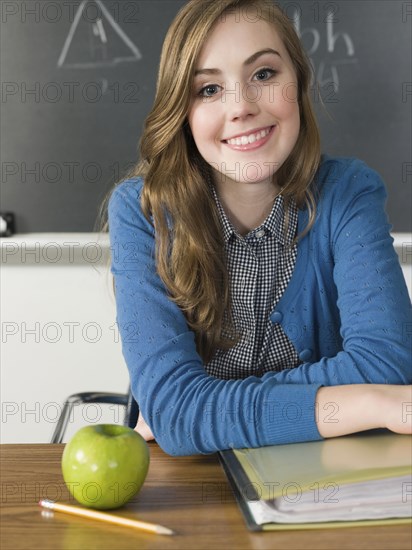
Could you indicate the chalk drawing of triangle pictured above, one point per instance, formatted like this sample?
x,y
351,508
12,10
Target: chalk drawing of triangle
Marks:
x,y
100,42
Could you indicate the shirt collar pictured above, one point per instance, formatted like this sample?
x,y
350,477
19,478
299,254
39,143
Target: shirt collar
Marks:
x,y
274,223
228,229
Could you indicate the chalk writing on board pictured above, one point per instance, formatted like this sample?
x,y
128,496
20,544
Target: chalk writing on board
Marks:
x,y
107,43
327,70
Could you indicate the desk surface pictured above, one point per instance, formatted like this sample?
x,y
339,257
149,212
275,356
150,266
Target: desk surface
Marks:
x,y
188,494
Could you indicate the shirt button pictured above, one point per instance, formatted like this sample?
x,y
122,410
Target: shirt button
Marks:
x,y
260,233
305,354
276,317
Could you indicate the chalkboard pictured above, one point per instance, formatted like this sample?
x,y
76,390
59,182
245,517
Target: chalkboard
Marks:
x,y
78,80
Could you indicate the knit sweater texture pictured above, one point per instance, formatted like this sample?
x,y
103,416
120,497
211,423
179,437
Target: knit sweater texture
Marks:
x,y
346,310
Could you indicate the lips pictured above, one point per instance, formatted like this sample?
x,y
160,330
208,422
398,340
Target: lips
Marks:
x,y
250,139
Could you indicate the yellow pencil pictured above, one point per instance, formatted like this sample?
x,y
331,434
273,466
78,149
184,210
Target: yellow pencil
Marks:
x,y
102,516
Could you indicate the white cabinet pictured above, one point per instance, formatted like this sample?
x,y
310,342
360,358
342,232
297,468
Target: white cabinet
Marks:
x,y
59,333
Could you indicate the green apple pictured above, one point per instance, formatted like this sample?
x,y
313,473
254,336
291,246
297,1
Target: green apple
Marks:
x,y
105,465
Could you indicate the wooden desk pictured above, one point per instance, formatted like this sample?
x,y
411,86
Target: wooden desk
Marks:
x,y
188,494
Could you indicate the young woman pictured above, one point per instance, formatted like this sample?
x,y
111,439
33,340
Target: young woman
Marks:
x,y
259,297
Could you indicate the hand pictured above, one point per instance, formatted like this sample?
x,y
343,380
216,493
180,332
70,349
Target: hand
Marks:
x,y
348,409
143,429
396,402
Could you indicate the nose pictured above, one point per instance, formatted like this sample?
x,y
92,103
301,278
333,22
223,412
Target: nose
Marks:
x,y
241,101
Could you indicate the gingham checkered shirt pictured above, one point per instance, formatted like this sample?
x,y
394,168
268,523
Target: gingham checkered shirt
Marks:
x,y
260,266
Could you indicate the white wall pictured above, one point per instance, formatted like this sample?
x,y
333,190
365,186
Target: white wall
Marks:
x,y
58,331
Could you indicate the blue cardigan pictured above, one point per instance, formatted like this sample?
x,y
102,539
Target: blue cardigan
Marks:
x,y
346,310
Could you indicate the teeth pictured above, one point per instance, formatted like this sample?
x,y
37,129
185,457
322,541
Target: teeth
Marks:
x,y
244,140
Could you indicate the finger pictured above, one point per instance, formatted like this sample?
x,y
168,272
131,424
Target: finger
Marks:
x,y
144,430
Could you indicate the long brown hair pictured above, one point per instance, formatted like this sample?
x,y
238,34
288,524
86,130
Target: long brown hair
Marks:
x,y
190,256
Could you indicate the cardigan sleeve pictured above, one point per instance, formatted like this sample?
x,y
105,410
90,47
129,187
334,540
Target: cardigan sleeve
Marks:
x,y
188,411
372,297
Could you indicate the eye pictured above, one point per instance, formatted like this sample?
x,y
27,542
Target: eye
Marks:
x,y
265,74
209,90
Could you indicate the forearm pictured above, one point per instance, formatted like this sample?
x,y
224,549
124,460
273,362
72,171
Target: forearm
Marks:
x,y
353,367
342,410
190,413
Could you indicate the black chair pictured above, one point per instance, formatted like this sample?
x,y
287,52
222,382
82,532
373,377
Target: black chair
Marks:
x,y
125,399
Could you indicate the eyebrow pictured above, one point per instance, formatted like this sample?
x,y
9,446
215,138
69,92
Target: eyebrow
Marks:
x,y
248,61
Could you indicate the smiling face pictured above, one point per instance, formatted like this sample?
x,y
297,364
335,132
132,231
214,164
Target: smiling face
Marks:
x,y
244,113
